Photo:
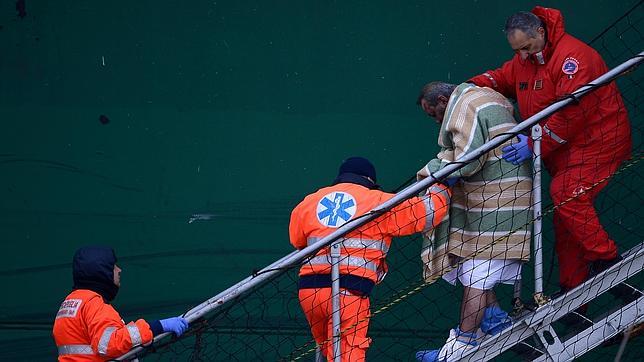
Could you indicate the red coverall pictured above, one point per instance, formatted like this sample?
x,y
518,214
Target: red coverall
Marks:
x,y
582,144
362,253
88,329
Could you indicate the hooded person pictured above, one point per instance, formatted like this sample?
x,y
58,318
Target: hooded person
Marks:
x,y
87,327
583,144
353,193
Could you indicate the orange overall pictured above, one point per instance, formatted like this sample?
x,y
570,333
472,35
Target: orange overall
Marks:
x,y
88,329
362,255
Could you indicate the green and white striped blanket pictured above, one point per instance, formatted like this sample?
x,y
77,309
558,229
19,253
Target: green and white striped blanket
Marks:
x,y
490,213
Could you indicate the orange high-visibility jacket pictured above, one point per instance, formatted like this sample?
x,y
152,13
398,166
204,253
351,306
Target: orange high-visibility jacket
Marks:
x,y
88,329
363,251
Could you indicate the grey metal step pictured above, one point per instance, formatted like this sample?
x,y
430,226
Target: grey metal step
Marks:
x,y
539,322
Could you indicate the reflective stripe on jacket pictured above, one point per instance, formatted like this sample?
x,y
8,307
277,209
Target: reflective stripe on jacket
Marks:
x,y
363,251
596,129
88,329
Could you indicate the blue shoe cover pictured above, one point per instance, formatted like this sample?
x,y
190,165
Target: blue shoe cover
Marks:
x,y
495,320
428,355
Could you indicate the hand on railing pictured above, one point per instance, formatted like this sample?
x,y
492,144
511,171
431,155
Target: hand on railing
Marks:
x,y
517,153
451,181
176,325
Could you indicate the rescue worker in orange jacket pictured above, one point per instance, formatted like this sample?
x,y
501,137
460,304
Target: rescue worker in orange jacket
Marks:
x,y
362,257
87,327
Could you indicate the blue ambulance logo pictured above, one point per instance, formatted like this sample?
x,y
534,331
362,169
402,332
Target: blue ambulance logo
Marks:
x,y
570,66
335,209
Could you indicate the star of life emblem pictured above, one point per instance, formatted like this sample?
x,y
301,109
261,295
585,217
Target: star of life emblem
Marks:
x,y
335,209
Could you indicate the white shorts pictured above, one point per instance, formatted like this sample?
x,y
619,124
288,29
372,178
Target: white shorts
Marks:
x,y
485,274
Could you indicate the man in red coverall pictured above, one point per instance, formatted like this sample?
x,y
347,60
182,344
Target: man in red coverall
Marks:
x,y
582,145
87,327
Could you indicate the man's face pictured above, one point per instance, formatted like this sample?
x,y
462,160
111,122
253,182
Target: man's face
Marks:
x,y
524,45
438,111
117,275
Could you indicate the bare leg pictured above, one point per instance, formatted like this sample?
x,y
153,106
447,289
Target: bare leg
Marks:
x,y
491,298
472,308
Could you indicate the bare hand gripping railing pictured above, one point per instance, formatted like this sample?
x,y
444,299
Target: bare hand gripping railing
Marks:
x,y
297,257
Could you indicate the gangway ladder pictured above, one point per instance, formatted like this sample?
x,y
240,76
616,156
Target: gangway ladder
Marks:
x,y
537,325
551,346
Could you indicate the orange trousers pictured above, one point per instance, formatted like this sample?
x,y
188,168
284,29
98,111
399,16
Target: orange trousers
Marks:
x,y
354,314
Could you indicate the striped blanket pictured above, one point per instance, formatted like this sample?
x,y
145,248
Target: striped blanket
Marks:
x,y
490,212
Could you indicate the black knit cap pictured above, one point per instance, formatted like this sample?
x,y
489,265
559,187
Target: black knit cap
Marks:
x,y
354,170
93,269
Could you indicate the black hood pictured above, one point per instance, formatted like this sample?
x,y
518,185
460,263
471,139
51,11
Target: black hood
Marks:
x,y
359,171
93,269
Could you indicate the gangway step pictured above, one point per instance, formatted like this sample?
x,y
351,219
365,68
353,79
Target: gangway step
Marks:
x,y
599,332
532,336
584,334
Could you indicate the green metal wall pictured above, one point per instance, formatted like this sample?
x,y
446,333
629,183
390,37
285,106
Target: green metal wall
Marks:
x,y
230,108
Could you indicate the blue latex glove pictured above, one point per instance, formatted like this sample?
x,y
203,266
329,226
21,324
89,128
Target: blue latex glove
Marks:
x,y
176,325
517,153
451,181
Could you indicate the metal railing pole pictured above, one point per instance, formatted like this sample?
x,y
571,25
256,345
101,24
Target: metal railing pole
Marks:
x,y
517,303
537,233
335,295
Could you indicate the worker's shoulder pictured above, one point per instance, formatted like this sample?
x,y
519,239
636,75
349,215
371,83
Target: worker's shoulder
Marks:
x,y
570,46
84,294
355,190
82,302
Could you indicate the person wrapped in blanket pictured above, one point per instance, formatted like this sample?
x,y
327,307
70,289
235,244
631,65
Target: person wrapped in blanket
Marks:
x,y
486,236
